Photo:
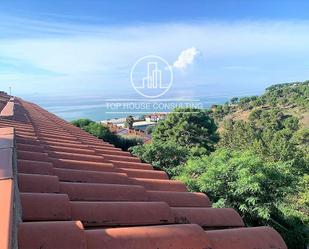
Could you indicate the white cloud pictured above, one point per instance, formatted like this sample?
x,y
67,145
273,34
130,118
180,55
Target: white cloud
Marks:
x,y
186,58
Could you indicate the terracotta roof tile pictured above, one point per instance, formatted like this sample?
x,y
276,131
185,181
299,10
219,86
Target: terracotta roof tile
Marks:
x,y
131,165
106,214
35,167
161,185
82,165
45,207
32,155
180,199
246,238
38,183
6,212
150,174
208,217
167,237
52,235
70,175
103,192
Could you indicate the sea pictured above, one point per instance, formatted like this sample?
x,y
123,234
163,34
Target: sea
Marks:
x,y
99,108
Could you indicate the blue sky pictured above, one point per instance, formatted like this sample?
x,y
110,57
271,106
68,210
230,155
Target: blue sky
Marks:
x,y
88,47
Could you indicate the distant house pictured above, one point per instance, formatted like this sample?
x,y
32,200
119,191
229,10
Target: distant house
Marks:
x,y
155,117
118,121
129,132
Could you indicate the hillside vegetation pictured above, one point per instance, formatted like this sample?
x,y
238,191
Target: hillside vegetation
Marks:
x,y
250,154
290,98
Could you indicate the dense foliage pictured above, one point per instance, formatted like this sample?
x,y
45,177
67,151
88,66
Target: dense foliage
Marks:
x,y
188,127
260,165
165,156
295,94
259,190
185,132
103,132
270,134
241,180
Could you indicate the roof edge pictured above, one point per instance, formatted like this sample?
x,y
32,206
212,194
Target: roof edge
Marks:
x,y
8,109
10,208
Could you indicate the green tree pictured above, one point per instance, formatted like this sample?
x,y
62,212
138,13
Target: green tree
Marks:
x,y
234,100
82,122
98,130
129,122
237,135
167,156
187,127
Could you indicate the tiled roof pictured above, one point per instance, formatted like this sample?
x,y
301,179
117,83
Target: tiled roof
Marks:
x,y
129,132
79,192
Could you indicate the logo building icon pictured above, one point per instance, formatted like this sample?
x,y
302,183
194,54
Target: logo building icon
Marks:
x,y
151,76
